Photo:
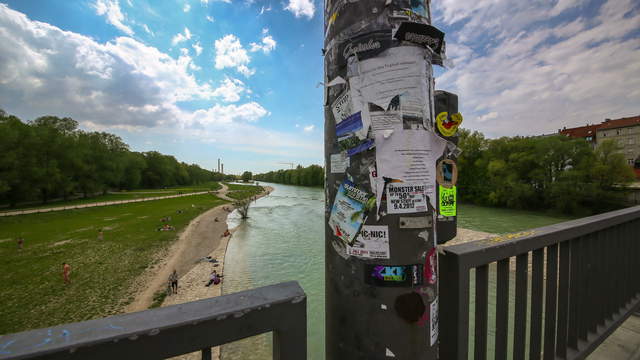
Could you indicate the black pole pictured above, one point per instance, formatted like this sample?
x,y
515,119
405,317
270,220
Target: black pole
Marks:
x,y
381,297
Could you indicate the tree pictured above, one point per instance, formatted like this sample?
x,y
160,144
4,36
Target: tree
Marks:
x,y
247,176
243,207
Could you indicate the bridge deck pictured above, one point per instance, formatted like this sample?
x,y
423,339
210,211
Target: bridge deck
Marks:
x,y
623,344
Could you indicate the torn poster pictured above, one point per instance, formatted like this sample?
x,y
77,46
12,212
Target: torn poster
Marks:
x,y
397,71
372,242
410,155
339,163
406,198
347,213
341,107
434,322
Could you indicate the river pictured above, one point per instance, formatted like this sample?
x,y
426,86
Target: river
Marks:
x,y
283,240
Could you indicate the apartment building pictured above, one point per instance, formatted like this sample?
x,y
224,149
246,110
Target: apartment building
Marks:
x,y
626,132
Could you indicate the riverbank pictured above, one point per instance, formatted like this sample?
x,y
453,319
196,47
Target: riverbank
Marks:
x,y
203,237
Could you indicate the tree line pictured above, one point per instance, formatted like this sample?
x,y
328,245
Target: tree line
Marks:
x,y
541,173
50,157
312,175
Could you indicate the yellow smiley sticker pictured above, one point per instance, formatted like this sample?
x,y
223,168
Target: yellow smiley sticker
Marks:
x,y
448,125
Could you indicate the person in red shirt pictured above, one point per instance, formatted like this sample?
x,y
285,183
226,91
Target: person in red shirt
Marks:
x,y
66,272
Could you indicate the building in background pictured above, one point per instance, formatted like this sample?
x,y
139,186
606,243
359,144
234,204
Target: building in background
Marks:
x,y
626,132
588,132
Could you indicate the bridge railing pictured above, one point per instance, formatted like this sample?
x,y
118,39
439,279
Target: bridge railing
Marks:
x,y
572,285
175,330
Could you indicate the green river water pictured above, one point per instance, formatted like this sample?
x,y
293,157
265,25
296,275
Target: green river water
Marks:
x,y
283,240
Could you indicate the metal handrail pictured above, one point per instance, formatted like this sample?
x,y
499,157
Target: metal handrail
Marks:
x,y
578,280
175,330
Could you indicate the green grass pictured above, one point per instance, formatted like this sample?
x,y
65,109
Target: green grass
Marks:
x,y
243,191
33,293
123,195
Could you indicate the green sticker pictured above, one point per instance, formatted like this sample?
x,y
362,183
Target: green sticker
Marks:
x,y
447,201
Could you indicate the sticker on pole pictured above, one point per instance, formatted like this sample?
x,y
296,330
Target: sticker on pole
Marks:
x,y
447,173
447,201
422,34
393,275
406,198
372,242
434,322
448,125
347,213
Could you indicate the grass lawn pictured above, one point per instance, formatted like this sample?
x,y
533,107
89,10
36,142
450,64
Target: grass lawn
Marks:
x,y
33,293
243,191
123,195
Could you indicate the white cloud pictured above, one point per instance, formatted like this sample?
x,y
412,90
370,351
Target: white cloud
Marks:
x,y
115,17
301,8
231,54
180,37
146,28
125,84
186,7
209,18
530,79
268,44
264,9
309,128
230,90
197,48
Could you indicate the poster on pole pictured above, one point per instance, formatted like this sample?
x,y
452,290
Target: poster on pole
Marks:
x,y
347,213
410,156
406,198
447,201
372,242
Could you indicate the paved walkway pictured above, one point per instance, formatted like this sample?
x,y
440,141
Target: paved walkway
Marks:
x,y
104,203
622,344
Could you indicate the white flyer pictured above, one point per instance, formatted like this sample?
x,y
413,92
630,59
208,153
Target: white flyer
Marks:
x,y
406,198
372,242
339,163
434,321
397,71
410,156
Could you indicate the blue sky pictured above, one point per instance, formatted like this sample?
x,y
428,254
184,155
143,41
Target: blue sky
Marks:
x,y
237,79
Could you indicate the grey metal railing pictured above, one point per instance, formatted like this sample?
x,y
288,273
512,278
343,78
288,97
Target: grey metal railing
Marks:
x,y
175,330
579,284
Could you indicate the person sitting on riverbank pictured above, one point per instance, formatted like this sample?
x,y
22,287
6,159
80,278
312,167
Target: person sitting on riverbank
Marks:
x,y
166,227
215,279
20,243
226,233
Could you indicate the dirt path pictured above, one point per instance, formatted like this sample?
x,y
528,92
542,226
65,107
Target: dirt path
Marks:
x,y
202,237
104,203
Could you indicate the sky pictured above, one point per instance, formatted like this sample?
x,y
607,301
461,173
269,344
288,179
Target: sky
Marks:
x,y
238,79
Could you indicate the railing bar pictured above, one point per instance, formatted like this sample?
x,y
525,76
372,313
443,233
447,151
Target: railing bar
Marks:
x,y
520,318
593,280
563,299
628,263
537,288
611,252
454,323
583,307
575,296
636,245
602,266
502,308
551,292
482,305
206,354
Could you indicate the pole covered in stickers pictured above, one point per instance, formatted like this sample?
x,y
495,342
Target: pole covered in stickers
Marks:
x,y
390,152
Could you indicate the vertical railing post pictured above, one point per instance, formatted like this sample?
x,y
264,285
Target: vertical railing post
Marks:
x,y
290,337
454,309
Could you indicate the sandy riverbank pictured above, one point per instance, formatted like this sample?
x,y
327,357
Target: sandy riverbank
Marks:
x,y
202,237
191,286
